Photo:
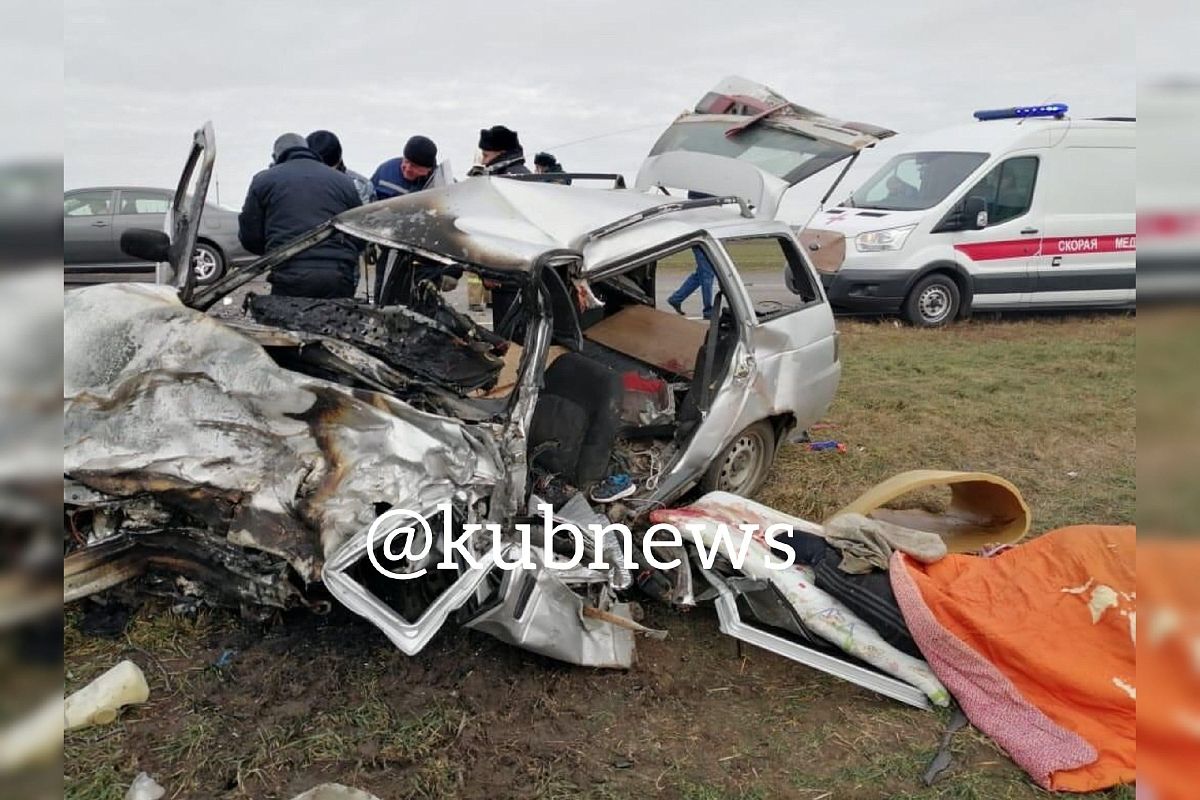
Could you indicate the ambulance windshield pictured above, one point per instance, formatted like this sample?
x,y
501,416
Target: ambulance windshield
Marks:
x,y
915,181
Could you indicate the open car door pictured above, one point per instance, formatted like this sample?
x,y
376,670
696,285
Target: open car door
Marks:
x,y
172,247
746,140
182,224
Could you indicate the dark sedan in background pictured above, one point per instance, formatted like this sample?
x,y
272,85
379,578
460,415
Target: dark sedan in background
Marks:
x,y
94,219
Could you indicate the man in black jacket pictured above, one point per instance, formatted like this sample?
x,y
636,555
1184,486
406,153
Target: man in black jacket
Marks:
x,y
500,153
295,194
545,163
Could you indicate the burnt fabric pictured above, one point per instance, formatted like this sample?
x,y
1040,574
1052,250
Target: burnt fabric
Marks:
x,y
289,199
410,342
1037,646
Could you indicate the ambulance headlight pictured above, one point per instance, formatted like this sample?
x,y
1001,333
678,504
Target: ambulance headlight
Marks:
x,y
889,239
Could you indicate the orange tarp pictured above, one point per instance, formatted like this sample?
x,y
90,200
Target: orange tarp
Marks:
x,y
1037,645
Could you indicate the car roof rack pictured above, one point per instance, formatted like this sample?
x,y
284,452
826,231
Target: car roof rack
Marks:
x,y
556,177
665,208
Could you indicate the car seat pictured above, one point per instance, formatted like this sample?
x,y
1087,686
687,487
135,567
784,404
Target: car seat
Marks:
x,y
576,419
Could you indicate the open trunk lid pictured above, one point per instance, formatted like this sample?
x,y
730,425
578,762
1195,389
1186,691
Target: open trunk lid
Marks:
x,y
746,140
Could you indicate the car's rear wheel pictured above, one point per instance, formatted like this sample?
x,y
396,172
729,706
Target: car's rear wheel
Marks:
x,y
933,302
743,466
207,263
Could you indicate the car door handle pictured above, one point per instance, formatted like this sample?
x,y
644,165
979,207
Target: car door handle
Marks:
x,y
1029,230
99,224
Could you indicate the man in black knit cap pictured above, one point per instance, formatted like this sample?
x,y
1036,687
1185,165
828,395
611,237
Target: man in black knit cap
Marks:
x,y
296,194
409,173
500,153
545,163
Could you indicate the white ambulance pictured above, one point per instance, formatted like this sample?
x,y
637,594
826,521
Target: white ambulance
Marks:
x,y
1025,208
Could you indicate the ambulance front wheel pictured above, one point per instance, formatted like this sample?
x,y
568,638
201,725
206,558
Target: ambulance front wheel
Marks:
x,y
933,302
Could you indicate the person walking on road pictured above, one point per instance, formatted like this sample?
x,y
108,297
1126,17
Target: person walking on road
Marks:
x,y
701,278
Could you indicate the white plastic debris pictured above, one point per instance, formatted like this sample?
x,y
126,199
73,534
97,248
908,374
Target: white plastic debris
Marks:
x,y
35,738
99,702
144,788
334,791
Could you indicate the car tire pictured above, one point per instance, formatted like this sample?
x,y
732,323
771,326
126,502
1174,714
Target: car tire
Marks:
x,y
933,302
743,466
208,263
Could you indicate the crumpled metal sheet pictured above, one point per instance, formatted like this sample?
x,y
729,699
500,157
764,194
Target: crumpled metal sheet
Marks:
x,y
161,399
537,611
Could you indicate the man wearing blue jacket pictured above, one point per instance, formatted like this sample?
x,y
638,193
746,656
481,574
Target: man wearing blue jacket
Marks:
x,y
296,193
409,173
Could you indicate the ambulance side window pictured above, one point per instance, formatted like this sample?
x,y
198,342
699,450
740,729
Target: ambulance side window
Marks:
x,y
1008,188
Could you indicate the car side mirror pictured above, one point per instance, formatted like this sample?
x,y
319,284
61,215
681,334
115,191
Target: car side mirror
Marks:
x,y
974,213
146,244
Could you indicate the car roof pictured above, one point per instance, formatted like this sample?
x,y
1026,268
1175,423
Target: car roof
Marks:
x,y
506,225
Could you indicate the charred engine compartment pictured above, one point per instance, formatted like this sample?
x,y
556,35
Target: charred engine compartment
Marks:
x,y
452,350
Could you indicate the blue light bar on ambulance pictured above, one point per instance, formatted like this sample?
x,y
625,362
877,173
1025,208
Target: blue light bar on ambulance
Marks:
x,y
1018,112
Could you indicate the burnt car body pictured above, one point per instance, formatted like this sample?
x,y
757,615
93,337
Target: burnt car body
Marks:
x,y
254,453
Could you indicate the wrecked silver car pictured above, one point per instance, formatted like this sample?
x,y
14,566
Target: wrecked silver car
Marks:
x,y
245,458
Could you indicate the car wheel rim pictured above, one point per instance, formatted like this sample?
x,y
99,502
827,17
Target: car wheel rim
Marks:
x,y
204,264
934,303
742,464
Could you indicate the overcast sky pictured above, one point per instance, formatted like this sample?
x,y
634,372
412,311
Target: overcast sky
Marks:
x,y
594,81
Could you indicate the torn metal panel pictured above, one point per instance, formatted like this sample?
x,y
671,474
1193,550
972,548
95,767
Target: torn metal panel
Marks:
x,y
163,400
537,611
410,636
731,623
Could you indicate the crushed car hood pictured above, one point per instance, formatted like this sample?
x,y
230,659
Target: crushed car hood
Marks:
x,y
165,402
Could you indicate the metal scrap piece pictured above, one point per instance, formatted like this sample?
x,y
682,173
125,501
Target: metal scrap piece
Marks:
x,y
535,610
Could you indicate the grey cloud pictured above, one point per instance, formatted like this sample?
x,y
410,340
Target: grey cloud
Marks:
x,y
141,76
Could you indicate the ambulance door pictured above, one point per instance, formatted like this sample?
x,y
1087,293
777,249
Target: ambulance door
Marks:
x,y
1088,244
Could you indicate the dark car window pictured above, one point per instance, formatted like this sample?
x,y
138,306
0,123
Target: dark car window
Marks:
x,y
765,258
1008,188
914,181
88,204
140,202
